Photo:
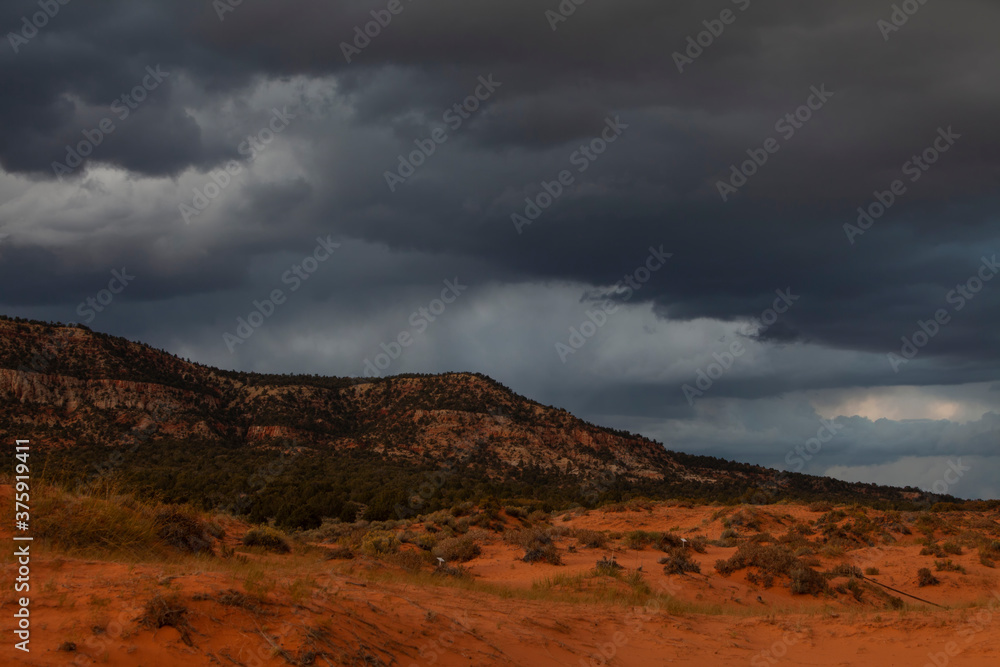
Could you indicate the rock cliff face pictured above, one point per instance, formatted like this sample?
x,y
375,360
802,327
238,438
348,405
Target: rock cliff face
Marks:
x,y
65,387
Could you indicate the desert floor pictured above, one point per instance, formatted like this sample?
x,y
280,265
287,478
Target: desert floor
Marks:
x,y
260,608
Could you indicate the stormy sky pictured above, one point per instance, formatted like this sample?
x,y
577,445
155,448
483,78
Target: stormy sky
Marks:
x,y
713,223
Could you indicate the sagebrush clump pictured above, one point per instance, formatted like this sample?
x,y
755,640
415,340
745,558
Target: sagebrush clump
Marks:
x,y
380,543
267,538
678,561
457,549
166,611
770,562
183,530
537,543
925,578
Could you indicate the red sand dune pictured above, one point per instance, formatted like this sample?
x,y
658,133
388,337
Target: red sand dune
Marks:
x,y
364,612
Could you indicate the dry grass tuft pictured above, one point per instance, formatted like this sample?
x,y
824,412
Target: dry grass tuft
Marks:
x,y
169,611
678,561
925,578
267,538
457,549
183,530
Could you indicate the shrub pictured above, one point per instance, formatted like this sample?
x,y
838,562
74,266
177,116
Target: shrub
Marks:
x,y
698,543
948,566
831,517
592,539
925,578
729,538
543,554
678,561
516,512
952,548
807,581
380,543
769,558
462,525
457,549
527,537
638,584
183,531
669,541
456,571
991,548
933,550
426,542
461,509
162,612
640,539
871,571
772,561
833,550
88,523
267,538
537,544
233,598
760,579
483,519
215,530
608,567
845,570
745,518
339,553
331,530
409,560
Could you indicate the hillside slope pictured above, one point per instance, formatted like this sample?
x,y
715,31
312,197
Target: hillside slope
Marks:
x,y
98,402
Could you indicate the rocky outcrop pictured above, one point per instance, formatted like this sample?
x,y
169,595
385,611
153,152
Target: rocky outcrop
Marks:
x,y
96,388
62,386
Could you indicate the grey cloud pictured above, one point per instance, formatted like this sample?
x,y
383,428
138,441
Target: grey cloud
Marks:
x,y
657,184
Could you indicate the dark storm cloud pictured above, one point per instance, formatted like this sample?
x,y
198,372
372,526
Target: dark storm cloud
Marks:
x,y
658,184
